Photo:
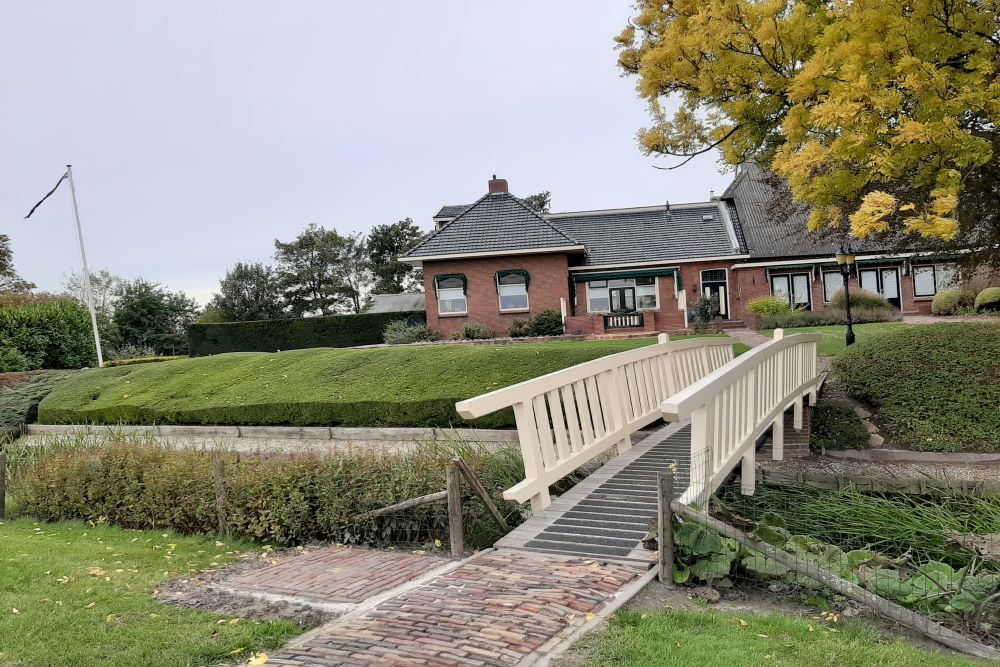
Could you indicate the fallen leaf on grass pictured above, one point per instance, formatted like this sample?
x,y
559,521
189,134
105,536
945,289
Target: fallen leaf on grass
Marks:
x,y
257,659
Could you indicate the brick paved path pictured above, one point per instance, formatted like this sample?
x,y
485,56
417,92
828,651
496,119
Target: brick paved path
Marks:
x,y
494,609
748,336
337,574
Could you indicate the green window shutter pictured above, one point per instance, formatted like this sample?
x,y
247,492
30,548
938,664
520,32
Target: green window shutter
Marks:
x,y
439,278
512,272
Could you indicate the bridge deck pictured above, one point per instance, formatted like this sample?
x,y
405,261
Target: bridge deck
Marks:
x,y
605,516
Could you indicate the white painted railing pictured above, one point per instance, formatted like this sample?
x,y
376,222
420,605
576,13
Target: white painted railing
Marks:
x,y
565,419
733,406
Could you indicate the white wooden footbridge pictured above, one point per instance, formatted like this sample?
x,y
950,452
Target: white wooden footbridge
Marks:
x,y
717,408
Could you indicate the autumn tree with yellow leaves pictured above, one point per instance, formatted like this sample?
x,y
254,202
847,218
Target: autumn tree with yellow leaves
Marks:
x,y
881,115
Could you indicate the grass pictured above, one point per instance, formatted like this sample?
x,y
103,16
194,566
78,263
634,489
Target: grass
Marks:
x,y
395,386
935,387
83,596
833,341
836,426
707,639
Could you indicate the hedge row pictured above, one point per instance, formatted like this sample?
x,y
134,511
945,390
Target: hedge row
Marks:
x,y
287,500
51,334
293,334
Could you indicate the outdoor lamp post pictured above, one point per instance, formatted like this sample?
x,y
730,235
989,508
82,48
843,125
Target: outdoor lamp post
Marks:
x,y
845,260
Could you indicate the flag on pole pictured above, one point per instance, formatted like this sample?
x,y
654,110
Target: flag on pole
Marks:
x,y
50,193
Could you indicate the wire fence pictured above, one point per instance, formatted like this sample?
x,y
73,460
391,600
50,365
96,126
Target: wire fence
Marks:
x,y
927,560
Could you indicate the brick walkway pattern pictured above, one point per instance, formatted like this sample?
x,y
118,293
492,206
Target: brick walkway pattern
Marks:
x,y
337,575
494,609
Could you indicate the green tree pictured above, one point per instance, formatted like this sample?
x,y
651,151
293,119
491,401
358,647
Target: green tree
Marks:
x,y
385,244
146,314
248,292
882,115
10,281
540,202
322,272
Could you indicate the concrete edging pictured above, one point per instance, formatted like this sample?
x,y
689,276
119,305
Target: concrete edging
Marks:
x,y
334,433
907,456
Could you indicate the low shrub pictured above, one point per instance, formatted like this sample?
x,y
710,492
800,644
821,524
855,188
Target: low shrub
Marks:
x,y
49,334
769,305
935,387
546,323
131,351
946,301
705,310
477,332
401,332
860,298
988,299
287,500
139,360
835,426
519,329
293,334
828,316
12,361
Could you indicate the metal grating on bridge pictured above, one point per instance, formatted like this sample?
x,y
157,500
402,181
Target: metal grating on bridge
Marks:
x,y
606,516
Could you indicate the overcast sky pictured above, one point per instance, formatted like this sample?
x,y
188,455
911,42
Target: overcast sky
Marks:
x,y
201,131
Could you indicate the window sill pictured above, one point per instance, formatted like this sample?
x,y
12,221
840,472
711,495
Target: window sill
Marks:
x,y
465,314
516,310
924,298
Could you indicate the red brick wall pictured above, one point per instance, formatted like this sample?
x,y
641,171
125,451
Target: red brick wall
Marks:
x,y
549,283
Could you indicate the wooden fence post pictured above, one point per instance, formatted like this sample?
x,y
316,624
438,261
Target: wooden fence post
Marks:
x,y
220,495
665,529
3,485
480,491
455,511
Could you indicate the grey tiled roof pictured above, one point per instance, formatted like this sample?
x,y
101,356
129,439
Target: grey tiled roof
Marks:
x,y
448,211
496,223
774,230
395,303
650,234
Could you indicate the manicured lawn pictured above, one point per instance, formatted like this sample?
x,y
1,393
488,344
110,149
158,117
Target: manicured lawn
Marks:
x,y
936,387
73,594
833,336
709,639
396,386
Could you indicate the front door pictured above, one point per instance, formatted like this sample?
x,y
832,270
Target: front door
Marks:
x,y
884,282
714,282
622,299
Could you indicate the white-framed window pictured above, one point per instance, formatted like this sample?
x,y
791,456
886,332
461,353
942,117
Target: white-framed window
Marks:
x,y
640,293
451,295
512,289
795,288
833,282
930,279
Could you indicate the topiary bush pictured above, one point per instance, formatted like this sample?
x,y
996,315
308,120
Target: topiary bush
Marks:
x,y
988,299
935,387
12,361
401,332
546,323
293,334
769,305
285,500
860,298
946,301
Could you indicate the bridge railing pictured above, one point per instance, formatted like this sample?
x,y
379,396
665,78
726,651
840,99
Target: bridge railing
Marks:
x,y
734,405
566,418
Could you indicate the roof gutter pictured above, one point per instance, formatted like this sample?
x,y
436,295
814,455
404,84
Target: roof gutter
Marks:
x,y
664,263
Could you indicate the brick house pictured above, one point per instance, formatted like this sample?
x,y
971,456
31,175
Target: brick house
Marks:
x,y
642,268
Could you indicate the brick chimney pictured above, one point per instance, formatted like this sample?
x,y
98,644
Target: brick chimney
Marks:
x,y
498,185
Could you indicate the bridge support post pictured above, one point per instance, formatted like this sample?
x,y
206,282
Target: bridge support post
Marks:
x,y
812,396
665,527
797,413
778,437
748,473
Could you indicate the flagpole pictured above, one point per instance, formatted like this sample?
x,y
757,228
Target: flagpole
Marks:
x,y
86,272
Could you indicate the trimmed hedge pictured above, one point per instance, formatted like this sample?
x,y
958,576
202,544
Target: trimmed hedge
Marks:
x,y
769,305
935,387
988,299
49,334
293,334
287,500
829,316
946,301
138,360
